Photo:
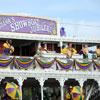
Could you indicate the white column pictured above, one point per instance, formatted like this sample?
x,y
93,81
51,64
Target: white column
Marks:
x,y
62,93
1,78
61,44
41,83
41,80
38,46
41,92
81,82
20,81
62,88
21,91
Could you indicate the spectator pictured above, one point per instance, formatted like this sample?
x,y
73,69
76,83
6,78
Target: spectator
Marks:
x,y
5,96
42,48
85,51
69,51
69,94
8,48
97,51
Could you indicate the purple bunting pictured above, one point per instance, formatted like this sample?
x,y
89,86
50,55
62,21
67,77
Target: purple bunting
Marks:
x,y
65,67
24,65
84,67
96,65
2,65
45,66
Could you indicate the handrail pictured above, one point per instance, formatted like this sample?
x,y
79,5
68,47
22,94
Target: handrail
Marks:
x,y
65,64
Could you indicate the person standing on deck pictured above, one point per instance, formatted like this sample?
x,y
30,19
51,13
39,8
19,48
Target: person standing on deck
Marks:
x,y
97,51
42,50
85,51
8,48
69,51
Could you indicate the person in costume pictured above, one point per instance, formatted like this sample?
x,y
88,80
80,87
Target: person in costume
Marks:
x,y
42,50
8,48
69,51
69,94
4,95
63,49
85,51
97,51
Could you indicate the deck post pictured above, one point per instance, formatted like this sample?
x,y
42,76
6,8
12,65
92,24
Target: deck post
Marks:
x,y
41,92
20,81
41,80
62,93
81,82
61,44
62,87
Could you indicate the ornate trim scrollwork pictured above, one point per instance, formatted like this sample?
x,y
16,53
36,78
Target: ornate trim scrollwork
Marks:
x,y
81,82
41,80
98,81
20,80
61,81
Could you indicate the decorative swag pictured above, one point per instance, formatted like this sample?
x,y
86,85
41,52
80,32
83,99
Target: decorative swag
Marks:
x,y
25,63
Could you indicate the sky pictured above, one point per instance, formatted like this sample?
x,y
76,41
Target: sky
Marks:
x,y
80,18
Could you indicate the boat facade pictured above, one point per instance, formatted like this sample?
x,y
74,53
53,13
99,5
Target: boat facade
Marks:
x,y
50,70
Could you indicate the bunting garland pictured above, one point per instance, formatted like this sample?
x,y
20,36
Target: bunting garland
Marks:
x,y
44,65
65,66
83,66
24,64
34,65
97,65
5,62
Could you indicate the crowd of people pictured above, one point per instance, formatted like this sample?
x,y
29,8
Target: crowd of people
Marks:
x,y
69,51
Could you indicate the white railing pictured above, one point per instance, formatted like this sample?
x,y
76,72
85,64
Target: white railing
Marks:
x,y
49,64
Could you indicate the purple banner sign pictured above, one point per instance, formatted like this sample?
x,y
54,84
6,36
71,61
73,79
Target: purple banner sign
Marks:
x,y
23,24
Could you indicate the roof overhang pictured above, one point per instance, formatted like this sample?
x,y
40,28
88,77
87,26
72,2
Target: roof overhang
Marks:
x,y
22,36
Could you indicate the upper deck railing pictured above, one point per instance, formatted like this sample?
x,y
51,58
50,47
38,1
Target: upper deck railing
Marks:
x,y
49,64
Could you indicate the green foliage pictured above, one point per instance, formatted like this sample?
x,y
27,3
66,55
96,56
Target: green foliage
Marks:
x,y
27,95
